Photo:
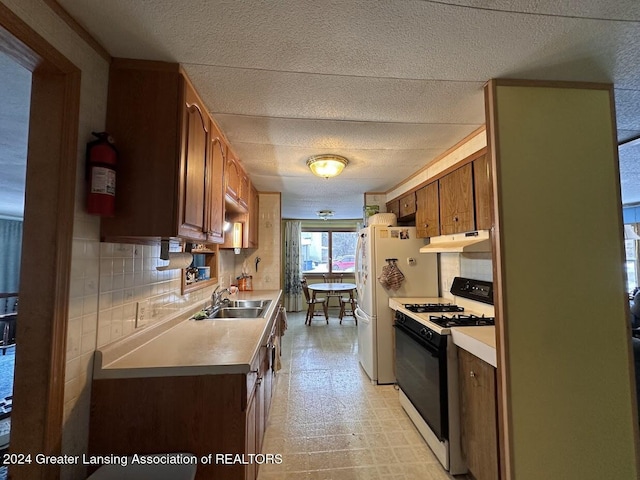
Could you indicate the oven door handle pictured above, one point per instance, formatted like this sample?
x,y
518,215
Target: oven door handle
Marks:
x,y
416,338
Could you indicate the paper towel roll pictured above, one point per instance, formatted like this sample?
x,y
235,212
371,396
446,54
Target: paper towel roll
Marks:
x,y
177,261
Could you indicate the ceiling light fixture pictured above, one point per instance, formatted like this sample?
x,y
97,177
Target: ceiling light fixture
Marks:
x,y
325,214
327,165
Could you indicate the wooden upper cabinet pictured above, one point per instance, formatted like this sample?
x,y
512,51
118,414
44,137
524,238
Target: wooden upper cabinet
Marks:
x,y
483,192
245,189
456,201
254,217
215,232
163,133
234,175
394,207
428,211
408,205
195,145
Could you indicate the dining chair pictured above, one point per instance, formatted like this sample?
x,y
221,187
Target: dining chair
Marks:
x,y
351,301
312,301
333,278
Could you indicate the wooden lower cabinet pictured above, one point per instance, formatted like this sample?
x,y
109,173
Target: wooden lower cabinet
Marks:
x,y
478,416
203,415
251,446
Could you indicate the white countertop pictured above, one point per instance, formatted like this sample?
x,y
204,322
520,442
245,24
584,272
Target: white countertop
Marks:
x,y
479,341
182,347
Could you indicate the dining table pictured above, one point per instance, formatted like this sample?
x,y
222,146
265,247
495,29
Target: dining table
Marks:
x,y
330,287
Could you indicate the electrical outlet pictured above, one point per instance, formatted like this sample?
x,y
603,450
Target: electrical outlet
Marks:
x,y
143,312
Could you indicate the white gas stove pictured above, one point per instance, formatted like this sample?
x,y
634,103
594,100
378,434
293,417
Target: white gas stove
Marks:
x,y
427,363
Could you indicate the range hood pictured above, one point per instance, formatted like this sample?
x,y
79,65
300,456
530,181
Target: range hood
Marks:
x,y
477,241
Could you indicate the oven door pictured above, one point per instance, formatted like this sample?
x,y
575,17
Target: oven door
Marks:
x,y
421,373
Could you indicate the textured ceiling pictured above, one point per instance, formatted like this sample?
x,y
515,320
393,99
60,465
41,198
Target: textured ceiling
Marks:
x,y
388,84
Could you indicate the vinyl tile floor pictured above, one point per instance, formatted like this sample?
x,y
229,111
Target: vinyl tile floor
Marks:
x,y
329,422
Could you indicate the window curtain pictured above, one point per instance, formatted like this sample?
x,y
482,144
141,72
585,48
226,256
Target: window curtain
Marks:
x,y
10,251
292,289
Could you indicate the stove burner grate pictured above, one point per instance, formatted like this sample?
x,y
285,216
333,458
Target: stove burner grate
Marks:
x,y
462,320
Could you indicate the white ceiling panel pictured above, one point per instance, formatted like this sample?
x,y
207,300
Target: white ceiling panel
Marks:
x,y
389,84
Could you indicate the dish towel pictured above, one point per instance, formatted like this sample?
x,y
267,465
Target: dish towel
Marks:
x,y
282,318
277,365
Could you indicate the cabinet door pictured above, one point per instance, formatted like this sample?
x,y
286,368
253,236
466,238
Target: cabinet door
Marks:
x,y
408,205
245,189
233,176
394,207
428,211
195,138
215,231
254,216
251,445
456,201
483,192
478,416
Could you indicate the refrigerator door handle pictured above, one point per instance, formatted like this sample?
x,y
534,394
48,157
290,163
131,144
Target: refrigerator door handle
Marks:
x,y
362,317
358,269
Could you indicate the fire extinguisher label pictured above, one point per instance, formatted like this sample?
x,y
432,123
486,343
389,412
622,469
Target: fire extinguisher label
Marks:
x,y
103,180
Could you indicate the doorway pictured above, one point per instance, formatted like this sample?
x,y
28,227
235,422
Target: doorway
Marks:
x,y
46,246
14,128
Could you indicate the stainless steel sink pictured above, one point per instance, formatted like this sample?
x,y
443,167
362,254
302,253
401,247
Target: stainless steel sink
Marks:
x,y
249,303
238,312
235,309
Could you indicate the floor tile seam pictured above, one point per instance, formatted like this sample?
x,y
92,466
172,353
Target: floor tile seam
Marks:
x,y
367,466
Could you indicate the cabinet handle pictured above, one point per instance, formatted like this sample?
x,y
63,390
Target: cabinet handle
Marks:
x,y
455,219
472,374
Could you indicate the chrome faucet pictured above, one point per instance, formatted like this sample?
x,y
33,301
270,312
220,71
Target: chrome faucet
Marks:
x,y
216,297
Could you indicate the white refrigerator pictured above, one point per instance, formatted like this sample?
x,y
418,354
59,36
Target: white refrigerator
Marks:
x,y
376,244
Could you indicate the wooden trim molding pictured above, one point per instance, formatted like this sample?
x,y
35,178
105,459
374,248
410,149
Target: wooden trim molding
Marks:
x,y
38,398
448,151
500,291
79,29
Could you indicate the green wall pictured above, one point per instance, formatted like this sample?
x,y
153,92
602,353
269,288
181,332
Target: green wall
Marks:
x,y
563,306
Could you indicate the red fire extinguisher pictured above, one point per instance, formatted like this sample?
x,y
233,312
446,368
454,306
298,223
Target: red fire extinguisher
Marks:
x,y
101,161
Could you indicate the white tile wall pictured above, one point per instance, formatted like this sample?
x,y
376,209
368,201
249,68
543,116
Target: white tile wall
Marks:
x,y
470,265
476,265
267,277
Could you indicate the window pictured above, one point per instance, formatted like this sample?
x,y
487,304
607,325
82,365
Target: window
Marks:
x,y
328,251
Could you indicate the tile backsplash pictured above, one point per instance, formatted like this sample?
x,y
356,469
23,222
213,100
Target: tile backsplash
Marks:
x,y
129,280
478,266
266,275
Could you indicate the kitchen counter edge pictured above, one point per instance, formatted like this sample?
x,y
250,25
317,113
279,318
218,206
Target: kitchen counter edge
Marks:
x,y
109,359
